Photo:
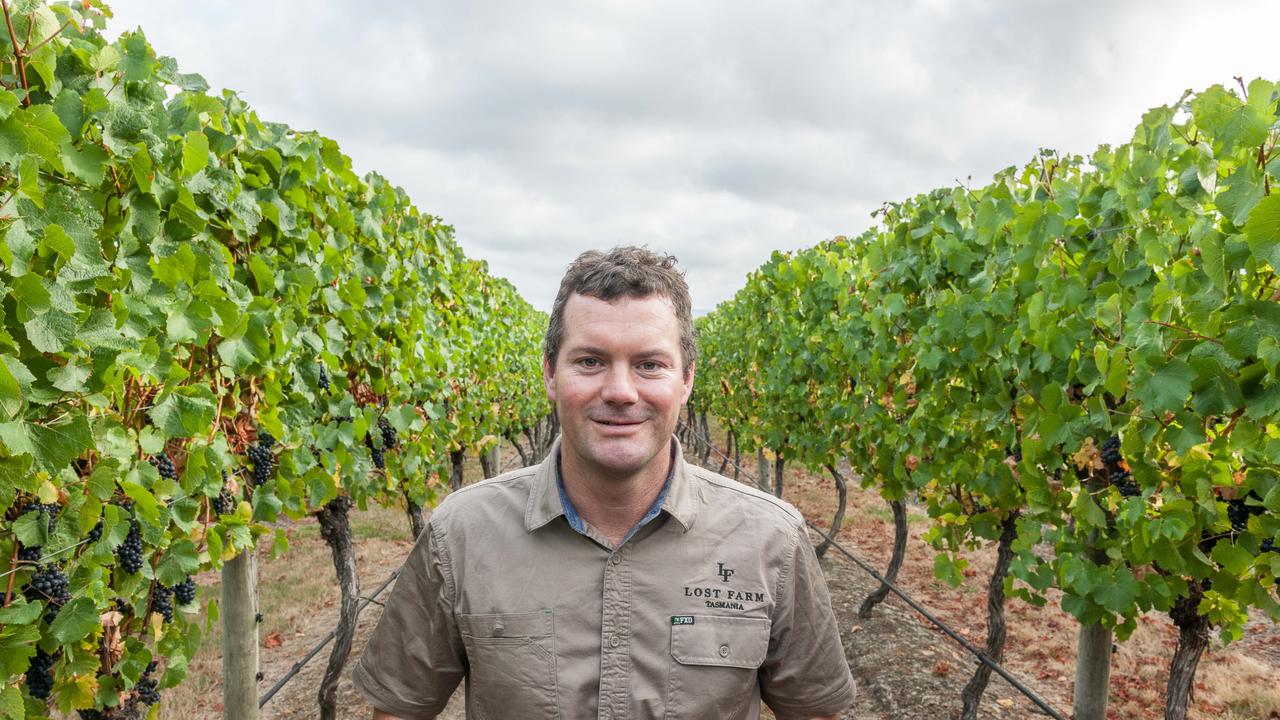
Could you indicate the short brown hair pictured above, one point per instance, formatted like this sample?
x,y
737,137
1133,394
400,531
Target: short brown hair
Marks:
x,y
624,271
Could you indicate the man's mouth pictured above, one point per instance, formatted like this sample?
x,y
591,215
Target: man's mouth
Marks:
x,y
619,423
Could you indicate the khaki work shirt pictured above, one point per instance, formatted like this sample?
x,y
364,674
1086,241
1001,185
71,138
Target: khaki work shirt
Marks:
x,y
716,603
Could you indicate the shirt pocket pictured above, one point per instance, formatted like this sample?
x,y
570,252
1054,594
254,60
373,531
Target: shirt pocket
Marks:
x,y
714,664
511,665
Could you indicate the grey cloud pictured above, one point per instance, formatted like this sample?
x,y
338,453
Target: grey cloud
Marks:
x,y
718,131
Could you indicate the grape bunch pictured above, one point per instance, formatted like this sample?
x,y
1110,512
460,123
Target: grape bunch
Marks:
x,y
324,379
390,439
1111,452
223,503
40,675
130,551
29,555
261,457
378,455
164,465
1267,545
148,689
1123,480
49,584
96,532
162,601
1239,512
185,591
49,509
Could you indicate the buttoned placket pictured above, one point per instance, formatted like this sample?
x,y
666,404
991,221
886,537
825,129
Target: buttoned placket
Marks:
x,y
615,637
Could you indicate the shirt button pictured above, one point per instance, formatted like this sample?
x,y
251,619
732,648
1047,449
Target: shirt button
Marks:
x,y
724,651
615,559
614,641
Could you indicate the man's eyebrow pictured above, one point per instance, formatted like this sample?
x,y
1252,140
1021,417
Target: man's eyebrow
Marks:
x,y
593,350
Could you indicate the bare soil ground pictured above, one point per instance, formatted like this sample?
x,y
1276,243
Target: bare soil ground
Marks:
x,y
905,668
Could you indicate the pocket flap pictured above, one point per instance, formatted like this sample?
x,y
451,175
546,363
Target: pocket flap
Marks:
x,y
514,625
719,640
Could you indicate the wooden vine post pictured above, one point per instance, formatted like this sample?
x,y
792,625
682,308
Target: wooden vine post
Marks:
x,y
240,636
1093,655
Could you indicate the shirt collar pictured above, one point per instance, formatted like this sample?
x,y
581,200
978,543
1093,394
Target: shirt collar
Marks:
x,y
545,502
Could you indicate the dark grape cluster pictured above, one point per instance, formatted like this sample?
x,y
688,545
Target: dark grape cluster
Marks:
x,y
262,459
148,689
96,532
30,555
40,675
1123,481
49,584
123,606
379,457
162,601
324,379
1239,511
49,509
1267,545
390,439
164,465
224,502
1111,452
130,551
92,714
185,591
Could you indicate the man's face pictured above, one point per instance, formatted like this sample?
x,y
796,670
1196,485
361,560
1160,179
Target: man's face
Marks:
x,y
618,385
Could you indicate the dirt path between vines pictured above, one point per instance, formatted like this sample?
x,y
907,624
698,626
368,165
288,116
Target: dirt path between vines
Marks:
x,y
905,668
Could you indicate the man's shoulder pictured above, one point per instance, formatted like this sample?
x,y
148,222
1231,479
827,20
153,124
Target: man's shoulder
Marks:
x,y
497,495
726,496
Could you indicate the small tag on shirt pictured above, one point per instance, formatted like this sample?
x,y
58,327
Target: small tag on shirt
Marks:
x,y
681,619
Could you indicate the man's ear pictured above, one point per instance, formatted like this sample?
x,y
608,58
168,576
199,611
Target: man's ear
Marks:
x,y
688,381
548,379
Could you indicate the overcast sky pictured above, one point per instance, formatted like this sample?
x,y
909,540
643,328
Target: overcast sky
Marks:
x,y
717,131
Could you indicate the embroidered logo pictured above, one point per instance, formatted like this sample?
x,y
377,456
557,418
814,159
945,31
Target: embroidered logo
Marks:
x,y
725,573
681,619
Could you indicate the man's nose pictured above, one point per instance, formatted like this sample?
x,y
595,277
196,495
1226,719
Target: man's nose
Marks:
x,y
619,386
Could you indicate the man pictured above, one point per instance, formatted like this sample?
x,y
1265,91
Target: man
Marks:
x,y
613,580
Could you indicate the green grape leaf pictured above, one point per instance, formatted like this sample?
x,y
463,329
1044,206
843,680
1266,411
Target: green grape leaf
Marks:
x,y
8,103
185,412
51,331
32,131
179,561
76,621
10,392
53,445
137,62
88,163
1263,230
11,707
1233,558
1168,387
195,153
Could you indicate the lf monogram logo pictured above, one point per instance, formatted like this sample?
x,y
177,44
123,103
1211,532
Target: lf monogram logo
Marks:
x,y
725,573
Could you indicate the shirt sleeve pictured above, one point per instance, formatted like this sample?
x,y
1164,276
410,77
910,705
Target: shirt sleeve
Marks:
x,y
415,658
805,673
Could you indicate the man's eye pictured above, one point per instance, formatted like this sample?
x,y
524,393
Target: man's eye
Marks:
x,y
589,362
650,366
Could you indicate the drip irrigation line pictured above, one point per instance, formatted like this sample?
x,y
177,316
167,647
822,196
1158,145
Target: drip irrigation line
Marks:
x,y
43,560
297,667
982,656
